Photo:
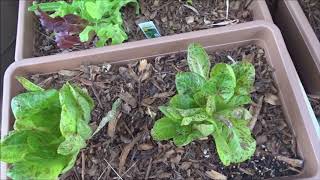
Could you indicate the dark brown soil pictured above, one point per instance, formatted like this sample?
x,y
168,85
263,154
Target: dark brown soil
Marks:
x,y
312,10
170,16
142,92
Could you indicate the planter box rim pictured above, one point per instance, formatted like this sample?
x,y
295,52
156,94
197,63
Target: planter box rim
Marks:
x,y
301,116
261,12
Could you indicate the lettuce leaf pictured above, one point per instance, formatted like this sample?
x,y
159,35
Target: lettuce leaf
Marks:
x,y
95,17
50,129
210,103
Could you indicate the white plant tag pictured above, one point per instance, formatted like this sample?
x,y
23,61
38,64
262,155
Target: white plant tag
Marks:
x,y
149,29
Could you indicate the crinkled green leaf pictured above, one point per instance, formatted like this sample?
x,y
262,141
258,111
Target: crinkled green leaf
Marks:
x,y
34,145
187,137
205,129
234,145
27,104
70,164
188,82
222,81
70,113
170,112
200,98
14,147
234,113
25,170
190,112
71,145
31,111
94,10
85,34
183,102
211,105
164,129
28,85
104,17
84,130
198,60
49,6
196,118
76,106
239,100
19,145
245,75
84,100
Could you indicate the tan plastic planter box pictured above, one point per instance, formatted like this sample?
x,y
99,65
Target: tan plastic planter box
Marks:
x,y
294,100
25,31
302,42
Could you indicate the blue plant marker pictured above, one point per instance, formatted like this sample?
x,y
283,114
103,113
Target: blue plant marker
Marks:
x,y
149,29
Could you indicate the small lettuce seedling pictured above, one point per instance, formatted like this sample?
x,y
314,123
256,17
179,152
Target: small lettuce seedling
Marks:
x,y
50,128
76,22
210,102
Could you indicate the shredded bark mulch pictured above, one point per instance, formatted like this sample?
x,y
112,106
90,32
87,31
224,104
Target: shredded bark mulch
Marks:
x,y
131,152
312,10
170,17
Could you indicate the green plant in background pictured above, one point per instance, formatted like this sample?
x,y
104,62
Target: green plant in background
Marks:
x,y
50,128
210,102
100,17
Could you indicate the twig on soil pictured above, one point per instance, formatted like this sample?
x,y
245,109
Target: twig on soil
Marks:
x,y
129,168
231,59
246,171
148,169
248,4
105,169
76,173
113,169
215,175
127,128
125,152
97,95
294,169
255,110
192,8
224,23
83,162
292,162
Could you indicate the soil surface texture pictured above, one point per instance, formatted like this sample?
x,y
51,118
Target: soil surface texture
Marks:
x,y
144,85
312,10
169,16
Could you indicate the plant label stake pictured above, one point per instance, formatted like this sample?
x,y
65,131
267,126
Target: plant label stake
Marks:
x,y
149,29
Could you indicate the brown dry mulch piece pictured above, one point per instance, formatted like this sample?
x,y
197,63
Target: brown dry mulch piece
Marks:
x,y
170,17
145,85
311,9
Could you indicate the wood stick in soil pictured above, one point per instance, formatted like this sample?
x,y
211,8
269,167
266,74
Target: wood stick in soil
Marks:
x,y
292,162
148,169
112,125
83,162
255,111
125,152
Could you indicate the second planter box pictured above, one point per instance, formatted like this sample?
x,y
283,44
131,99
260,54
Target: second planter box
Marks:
x,y
297,114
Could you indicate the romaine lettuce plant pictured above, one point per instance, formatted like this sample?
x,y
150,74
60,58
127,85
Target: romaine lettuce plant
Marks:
x,y
210,102
78,21
50,129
